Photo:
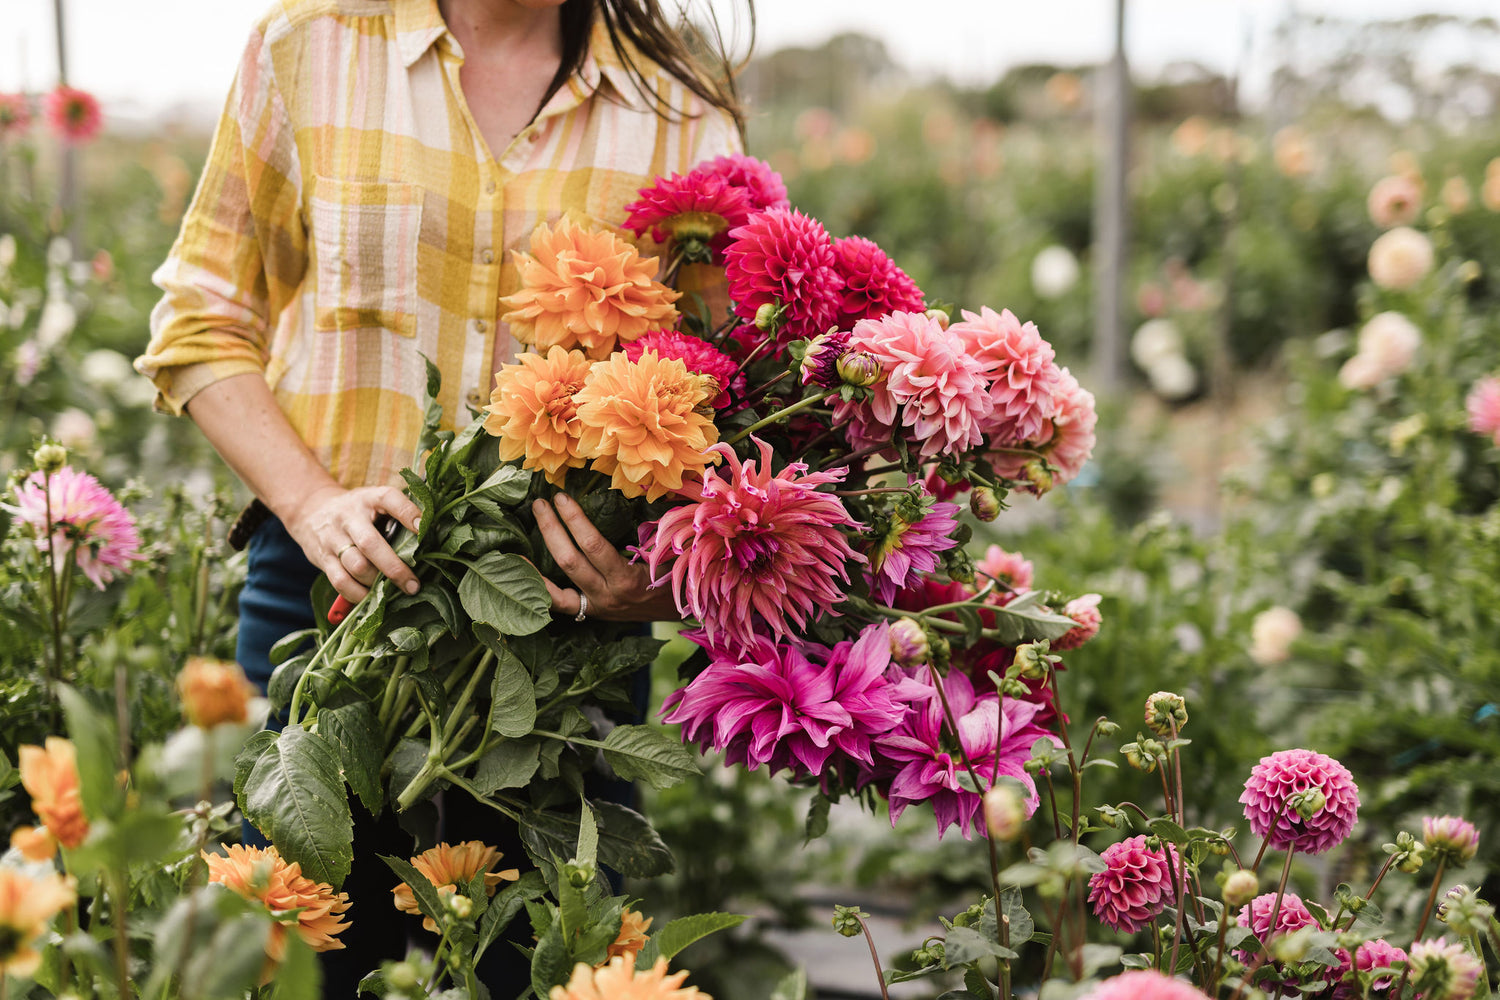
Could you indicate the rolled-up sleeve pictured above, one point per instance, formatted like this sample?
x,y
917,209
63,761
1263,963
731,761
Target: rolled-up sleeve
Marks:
x,y
241,255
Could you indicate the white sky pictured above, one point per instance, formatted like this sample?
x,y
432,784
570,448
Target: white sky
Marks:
x,y
143,56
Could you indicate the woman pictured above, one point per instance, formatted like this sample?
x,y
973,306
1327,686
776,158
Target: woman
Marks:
x,y
375,163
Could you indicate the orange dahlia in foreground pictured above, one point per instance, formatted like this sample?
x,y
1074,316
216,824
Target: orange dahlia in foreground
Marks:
x,y
533,413
620,980
27,906
632,936
585,289
50,774
261,874
448,866
645,423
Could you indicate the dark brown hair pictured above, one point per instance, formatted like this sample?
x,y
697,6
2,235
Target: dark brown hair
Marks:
x,y
638,28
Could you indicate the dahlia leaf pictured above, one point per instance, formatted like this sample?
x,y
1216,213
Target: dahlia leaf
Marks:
x,y
506,904
506,592
588,837
683,931
348,719
232,960
93,738
817,818
1022,927
294,794
297,975
964,945
551,961
792,987
508,764
640,753
508,485
512,698
428,900
1169,831
1024,620
629,844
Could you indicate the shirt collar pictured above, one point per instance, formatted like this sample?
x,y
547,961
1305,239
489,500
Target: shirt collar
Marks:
x,y
418,25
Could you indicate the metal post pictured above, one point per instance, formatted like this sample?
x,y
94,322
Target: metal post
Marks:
x,y
1111,213
67,195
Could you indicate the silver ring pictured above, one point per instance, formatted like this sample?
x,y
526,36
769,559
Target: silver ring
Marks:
x,y
339,555
583,607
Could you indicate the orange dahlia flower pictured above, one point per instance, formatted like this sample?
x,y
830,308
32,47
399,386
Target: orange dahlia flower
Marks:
x,y
27,906
264,876
620,980
449,866
644,423
533,413
632,936
35,843
50,774
214,691
585,289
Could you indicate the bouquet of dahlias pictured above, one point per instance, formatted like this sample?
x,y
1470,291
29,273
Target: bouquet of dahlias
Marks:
x,y
789,474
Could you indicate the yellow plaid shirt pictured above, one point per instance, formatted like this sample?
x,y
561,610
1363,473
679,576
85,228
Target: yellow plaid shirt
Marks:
x,y
351,219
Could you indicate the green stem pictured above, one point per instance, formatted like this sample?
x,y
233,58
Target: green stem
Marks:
x,y
392,685
54,593
437,957
475,676
341,631
1373,885
805,403
117,889
874,957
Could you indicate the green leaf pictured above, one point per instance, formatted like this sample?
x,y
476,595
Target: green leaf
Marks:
x,y
244,761
294,794
817,817
507,485
506,592
1022,927
512,698
507,764
977,985
1023,620
351,723
551,962
93,736
627,843
793,986
506,904
1168,831
640,753
588,837
428,900
292,644
964,945
299,976
683,931
139,836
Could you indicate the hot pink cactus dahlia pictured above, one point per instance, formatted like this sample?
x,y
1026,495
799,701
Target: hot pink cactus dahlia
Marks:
x,y
782,257
909,549
1284,773
754,544
763,185
88,523
1134,887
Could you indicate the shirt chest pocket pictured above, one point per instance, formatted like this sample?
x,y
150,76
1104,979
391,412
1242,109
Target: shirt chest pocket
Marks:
x,y
365,235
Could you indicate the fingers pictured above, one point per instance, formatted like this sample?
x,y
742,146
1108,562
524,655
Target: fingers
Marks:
x,y
372,554
615,588
337,532
400,506
571,546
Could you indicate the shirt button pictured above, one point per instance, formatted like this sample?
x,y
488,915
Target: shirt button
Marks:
x,y
480,325
489,187
476,398
488,256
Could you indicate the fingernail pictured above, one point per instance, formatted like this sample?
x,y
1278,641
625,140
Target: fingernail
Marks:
x,y
538,504
417,524
413,586
563,498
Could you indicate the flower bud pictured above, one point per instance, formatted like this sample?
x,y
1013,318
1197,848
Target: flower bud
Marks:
x,y
941,315
909,646
984,504
846,920
1004,812
1465,912
214,692
1107,728
769,317
1240,887
942,652
1138,757
1407,853
402,976
929,954
820,359
1451,837
1308,802
1110,816
50,457
859,368
460,906
1035,472
1166,712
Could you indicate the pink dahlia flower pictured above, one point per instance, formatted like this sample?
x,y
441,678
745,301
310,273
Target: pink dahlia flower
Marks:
x,y
1025,375
1284,773
709,202
1073,423
73,114
873,284
1483,405
1256,915
782,257
1394,201
789,705
1452,837
1010,570
932,386
88,523
1376,954
996,738
1085,611
699,356
1134,887
820,365
1143,984
1443,971
909,549
763,185
15,115
754,545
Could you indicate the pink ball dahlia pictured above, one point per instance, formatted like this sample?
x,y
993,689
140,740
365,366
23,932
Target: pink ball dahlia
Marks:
x,y
1085,611
1483,405
873,284
789,705
1134,887
909,549
763,185
699,356
1284,773
73,114
1376,954
782,257
1073,421
15,115
1143,984
1443,971
1011,571
1025,375
1451,837
1256,915
754,546
699,203
88,523
919,760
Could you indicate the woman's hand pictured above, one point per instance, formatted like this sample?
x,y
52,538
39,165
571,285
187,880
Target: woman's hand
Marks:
x,y
336,529
617,589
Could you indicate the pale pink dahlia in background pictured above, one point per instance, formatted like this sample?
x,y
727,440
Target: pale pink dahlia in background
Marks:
x,y
15,115
88,523
1376,954
1483,406
1143,984
1451,837
873,284
997,739
1010,570
1256,915
72,113
1134,887
909,549
763,185
1025,374
1394,201
710,204
1400,258
698,355
782,257
789,705
1085,611
1282,774
1443,971
754,544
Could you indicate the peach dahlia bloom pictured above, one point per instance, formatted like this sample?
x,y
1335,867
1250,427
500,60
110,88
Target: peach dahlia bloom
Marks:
x,y
585,289
534,413
27,906
449,866
632,937
1394,201
643,423
214,692
1400,258
50,774
263,876
621,980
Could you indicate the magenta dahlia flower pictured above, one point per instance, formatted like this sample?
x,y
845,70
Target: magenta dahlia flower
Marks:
x,y
1443,971
932,386
1143,984
910,548
873,284
1483,405
754,547
698,355
763,185
1452,837
1376,954
15,115
88,523
1025,375
789,705
918,755
73,114
1010,570
1135,885
783,258
1256,915
1285,773
1085,611
699,203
